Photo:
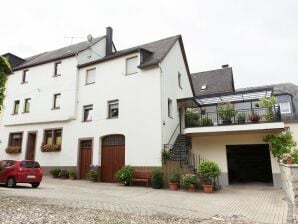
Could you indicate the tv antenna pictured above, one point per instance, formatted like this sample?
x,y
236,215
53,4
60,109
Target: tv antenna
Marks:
x,y
72,38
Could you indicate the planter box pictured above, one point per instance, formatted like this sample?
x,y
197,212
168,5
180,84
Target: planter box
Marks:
x,y
13,149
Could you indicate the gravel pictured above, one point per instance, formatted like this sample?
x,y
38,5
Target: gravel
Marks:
x,y
32,210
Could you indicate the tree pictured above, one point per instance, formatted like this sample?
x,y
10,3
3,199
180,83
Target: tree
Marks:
x,y
5,69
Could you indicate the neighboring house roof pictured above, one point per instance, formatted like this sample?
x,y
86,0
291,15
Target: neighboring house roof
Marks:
x,y
215,81
279,89
158,50
13,59
57,54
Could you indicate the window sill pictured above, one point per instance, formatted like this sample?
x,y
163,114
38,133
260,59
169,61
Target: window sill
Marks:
x,y
87,84
112,117
131,73
170,117
55,108
14,113
54,76
25,112
24,82
86,121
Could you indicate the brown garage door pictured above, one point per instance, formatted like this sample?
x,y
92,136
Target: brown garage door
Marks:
x,y
112,156
85,158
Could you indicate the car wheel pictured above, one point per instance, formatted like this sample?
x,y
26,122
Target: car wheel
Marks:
x,y
11,182
35,185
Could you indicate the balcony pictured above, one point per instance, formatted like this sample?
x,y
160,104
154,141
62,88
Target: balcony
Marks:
x,y
194,118
230,112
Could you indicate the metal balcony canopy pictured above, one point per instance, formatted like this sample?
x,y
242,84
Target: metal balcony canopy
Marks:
x,y
238,96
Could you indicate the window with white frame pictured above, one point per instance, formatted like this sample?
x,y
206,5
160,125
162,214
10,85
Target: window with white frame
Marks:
x,y
57,71
131,65
16,107
27,105
56,101
170,108
87,113
113,107
90,76
285,108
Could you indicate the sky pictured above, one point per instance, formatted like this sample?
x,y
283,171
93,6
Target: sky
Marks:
x,y
258,39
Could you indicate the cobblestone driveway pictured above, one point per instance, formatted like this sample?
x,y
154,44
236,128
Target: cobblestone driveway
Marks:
x,y
261,204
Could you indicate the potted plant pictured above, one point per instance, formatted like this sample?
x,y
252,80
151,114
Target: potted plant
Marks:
x,y
269,104
64,174
241,117
72,174
157,179
205,121
189,181
208,170
13,149
166,155
92,175
174,181
226,112
191,117
287,158
50,148
55,172
254,118
124,175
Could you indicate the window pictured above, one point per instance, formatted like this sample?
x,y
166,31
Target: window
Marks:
x,y
285,108
113,107
16,107
90,76
56,101
53,137
179,80
27,105
131,65
57,71
170,108
24,76
15,139
204,87
87,113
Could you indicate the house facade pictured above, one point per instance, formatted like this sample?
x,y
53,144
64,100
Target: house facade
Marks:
x,y
89,104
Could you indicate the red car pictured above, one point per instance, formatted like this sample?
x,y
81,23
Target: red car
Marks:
x,y
23,171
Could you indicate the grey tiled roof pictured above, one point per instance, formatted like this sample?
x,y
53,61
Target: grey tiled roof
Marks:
x,y
159,50
57,54
217,81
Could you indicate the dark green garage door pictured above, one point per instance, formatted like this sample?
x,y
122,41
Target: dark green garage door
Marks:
x,y
249,163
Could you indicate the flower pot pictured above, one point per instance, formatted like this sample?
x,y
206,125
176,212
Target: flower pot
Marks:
x,y
241,121
173,186
290,161
191,188
72,177
227,122
208,188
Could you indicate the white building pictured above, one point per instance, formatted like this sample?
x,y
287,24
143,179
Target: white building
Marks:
x,y
90,104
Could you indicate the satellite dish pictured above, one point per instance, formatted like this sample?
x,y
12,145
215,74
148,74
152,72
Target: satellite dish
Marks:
x,y
89,38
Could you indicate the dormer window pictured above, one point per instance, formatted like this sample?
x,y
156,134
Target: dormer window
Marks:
x,y
57,71
131,65
24,76
204,87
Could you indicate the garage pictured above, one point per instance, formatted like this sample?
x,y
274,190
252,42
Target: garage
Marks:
x,y
249,163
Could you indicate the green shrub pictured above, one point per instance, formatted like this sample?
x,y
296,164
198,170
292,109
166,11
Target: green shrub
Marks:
x,y
188,180
72,173
175,178
124,174
192,117
205,121
92,175
157,179
268,103
55,172
208,169
64,174
166,155
295,155
281,143
241,116
226,111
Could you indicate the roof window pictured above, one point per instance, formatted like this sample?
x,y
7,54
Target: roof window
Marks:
x,y
204,87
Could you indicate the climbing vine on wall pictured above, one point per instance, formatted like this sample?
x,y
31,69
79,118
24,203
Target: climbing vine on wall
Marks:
x,y
5,69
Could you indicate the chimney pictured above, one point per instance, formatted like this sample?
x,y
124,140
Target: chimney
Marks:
x,y
225,66
109,40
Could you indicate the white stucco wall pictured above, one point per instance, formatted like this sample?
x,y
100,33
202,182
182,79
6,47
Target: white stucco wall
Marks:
x,y
293,126
170,67
41,87
95,52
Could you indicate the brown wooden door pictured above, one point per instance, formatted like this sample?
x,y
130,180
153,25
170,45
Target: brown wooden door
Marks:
x,y
31,143
85,158
112,158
